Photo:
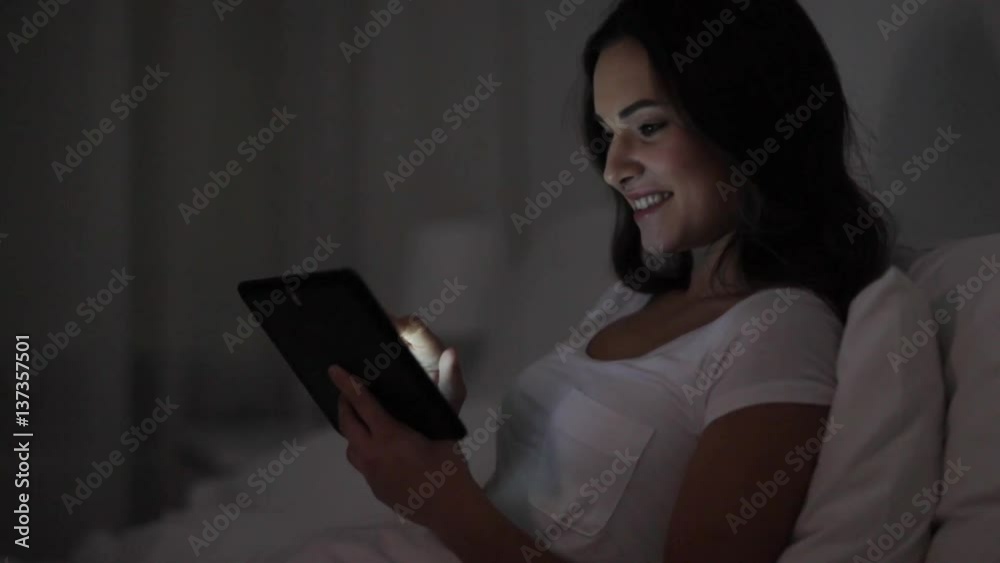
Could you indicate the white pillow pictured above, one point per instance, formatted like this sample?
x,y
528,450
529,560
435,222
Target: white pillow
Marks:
x,y
962,282
865,501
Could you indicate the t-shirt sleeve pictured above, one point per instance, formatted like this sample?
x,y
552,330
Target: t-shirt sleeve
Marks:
x,y
781,347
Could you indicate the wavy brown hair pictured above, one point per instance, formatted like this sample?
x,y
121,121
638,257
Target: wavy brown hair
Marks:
x,y
792,225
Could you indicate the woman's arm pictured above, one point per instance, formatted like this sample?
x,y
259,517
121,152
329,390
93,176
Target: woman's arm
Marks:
x,y
746,484
396,461
742,493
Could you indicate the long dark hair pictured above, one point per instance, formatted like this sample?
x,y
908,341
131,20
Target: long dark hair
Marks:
x,y
799,218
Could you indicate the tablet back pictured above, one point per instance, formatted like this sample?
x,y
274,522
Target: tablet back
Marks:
x,y
331,318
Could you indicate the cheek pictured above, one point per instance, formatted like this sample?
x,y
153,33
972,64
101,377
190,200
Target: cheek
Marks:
x,y
715,208
684,163
670,166
705,167
693,171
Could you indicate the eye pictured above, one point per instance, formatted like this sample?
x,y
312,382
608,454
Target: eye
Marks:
x,y
648,129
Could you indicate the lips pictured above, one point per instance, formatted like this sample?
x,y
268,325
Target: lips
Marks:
x,y
641,201
648,202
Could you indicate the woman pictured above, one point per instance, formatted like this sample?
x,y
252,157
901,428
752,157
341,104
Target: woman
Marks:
x,y
722,131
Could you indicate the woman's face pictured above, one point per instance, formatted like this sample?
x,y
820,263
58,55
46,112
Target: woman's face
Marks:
x,y
667,173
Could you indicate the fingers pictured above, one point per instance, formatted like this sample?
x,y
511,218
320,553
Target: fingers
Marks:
x,y
400,323
421,342
414,331
364,405
353,429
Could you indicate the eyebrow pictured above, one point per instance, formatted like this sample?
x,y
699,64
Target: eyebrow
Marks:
x,y
634,107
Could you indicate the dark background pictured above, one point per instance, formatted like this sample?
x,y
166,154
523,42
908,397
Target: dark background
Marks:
x,y
324,176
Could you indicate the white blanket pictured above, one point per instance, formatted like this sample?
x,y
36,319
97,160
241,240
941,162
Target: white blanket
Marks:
x,y
268,538
407,543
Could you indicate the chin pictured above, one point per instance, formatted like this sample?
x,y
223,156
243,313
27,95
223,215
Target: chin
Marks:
x,y
659,239
660,245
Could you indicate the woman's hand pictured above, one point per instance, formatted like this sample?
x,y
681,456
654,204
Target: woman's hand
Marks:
x,y
425,481
440,363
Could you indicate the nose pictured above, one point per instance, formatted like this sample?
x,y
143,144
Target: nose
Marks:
x,y
621,166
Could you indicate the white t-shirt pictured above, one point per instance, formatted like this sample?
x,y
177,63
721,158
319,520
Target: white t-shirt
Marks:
x,y
591,458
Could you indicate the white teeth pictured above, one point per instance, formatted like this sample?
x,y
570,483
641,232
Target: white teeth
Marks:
x,y
644,202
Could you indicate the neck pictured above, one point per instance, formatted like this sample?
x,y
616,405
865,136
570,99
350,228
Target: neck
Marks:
x,y
708,260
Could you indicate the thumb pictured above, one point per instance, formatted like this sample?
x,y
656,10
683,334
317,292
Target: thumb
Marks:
x,y
450,379
448,363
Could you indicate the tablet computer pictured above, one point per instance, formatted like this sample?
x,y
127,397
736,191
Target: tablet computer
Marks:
x,y
331,318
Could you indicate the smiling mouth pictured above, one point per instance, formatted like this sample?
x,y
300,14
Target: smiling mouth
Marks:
x,y
647,204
